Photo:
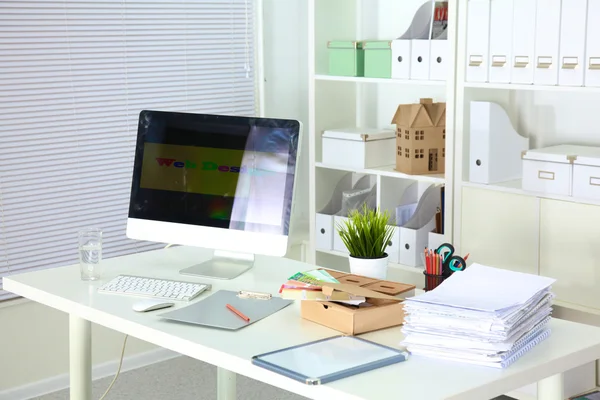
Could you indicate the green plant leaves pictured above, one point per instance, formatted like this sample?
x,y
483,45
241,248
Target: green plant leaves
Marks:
x,y
366,233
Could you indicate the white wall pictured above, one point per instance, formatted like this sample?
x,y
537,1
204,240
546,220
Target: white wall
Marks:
x,y
35,338
286,85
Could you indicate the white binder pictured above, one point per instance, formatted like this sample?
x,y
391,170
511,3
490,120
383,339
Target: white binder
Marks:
x,y
523,43
338,244
401,57
420,56
440,60
495,146
501,33
324,228
572,42
592,59
547,35
414,235
393,250
478,31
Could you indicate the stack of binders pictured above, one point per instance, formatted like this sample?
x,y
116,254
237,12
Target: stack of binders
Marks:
x,y
482,315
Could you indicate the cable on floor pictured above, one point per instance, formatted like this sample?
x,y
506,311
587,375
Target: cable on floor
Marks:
x,y
118,369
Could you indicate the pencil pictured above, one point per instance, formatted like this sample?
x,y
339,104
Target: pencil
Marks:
x,y
239,313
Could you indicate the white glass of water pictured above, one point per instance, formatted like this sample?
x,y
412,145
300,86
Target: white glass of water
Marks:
x,y
90,253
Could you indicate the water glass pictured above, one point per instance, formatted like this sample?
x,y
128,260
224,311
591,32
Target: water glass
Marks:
x,y
90,253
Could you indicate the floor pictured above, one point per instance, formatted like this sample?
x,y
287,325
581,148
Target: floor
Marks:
x,y
190,379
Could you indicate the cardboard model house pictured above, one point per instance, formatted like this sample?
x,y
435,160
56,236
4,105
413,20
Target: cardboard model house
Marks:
x,y
421,137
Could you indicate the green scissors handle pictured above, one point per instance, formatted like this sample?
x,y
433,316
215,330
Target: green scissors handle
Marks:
x,y
451,262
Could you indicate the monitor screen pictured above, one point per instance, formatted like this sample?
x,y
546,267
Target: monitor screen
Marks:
x,y
215,171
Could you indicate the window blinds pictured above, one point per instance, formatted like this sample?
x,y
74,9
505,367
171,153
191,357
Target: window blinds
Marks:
x,y
74,76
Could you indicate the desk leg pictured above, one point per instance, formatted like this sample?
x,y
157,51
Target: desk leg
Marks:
x,y
80,358
551,388
225,385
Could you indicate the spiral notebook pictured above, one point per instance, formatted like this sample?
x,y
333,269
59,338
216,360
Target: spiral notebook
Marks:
x,y
502,360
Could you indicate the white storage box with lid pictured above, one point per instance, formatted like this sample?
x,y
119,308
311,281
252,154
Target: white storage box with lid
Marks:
x,y
586,173
359,147
549,170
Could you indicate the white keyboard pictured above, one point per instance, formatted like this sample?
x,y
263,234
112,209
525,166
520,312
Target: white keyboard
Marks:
x,y
154,288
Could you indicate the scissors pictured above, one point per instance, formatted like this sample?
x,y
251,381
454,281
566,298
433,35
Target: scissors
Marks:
x,y
450,262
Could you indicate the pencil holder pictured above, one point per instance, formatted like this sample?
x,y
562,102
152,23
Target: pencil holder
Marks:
x,y
432,281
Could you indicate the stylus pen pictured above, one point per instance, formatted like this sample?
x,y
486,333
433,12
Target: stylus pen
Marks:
x,y
229,306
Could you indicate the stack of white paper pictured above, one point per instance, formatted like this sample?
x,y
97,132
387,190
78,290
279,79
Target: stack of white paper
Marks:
x,y
482,315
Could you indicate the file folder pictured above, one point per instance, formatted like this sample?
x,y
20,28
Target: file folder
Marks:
x,y
572,42
592,67
478,31
213,312
547,35
501,34
523,42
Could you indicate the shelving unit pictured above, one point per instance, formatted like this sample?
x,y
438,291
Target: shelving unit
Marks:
x,y
388,171
532,88
500,224
514,187
378,80
505,226
341,102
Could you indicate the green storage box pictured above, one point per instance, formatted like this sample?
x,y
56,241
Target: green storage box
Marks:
x,y
346,58
378,59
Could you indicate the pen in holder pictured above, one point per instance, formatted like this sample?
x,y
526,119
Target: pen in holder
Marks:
x,y
432,281
440,264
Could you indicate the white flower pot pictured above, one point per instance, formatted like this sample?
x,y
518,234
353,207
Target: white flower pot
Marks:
x,y
370,267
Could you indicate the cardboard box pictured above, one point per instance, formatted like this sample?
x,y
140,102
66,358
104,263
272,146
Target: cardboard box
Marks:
x,y
383,311
378,59
359,147
421,138
346,58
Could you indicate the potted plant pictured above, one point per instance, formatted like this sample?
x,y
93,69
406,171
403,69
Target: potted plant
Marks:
x,y
366,234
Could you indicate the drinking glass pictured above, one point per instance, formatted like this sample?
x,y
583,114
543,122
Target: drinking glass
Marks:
x,y
90,253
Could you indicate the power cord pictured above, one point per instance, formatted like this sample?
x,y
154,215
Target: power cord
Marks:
x,y
118,369
121,360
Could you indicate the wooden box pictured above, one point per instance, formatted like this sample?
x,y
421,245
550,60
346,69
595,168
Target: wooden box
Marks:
x,y
385,307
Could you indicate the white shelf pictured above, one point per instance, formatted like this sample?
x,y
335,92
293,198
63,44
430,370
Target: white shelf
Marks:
x,y
514,187
378,80
536,88
402,267
387,171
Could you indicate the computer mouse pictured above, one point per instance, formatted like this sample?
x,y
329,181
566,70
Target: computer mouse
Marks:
x,y
151,305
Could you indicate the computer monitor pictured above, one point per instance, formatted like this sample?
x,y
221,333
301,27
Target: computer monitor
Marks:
x,y
214,181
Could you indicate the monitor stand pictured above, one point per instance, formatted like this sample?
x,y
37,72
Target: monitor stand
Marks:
x,y
223,265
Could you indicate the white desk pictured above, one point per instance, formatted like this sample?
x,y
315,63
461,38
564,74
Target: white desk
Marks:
x,y
570,345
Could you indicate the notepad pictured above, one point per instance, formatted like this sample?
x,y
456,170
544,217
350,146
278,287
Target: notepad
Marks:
x,y
486,289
